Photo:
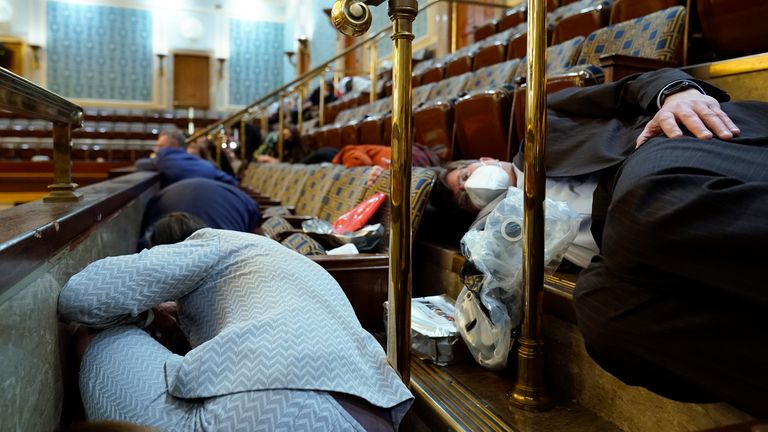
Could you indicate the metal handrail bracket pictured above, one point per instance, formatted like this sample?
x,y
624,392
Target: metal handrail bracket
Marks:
x,y
22,96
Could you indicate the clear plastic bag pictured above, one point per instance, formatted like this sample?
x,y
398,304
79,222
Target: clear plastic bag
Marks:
x,y
490,306
364,239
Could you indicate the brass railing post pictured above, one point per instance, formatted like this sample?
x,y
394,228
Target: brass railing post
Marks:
x,y
373,60
321,104
62,189
280,125
220,143
242,137
300,120
530,390
402,13
454,26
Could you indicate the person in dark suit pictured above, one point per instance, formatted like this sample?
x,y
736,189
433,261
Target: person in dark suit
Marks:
x,y
674,299
218,205
174,163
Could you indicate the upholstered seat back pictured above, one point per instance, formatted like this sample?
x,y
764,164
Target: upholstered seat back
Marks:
x,y
315,187
295,183
656,36
422,180
493,77
344,193
560,57
450,87
574,8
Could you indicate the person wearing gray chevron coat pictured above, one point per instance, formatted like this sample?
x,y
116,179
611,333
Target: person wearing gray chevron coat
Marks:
x,y
271,333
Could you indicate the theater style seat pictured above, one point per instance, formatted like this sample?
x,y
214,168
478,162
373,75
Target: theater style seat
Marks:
x,y
433,121
350,131
460,61
593,15
494,49
420,96
625,10
734,26
646,43
483,125
422,180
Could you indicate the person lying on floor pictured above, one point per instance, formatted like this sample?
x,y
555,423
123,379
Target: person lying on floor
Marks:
x,y
676,178
275,344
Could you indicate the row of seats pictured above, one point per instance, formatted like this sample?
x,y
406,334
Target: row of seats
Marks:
x,y
506,39
325,191
26,152
468,115
728,27
140,115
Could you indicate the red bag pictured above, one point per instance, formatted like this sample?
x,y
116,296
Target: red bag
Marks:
x,y
356,218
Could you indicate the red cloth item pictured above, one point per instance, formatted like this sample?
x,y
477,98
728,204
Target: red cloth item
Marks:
x,y
356,218
373,154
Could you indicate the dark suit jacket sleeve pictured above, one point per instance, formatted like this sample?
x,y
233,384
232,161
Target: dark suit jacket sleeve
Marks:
x,y
635,94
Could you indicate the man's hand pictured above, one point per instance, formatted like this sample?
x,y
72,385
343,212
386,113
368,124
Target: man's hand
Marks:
x,y
699,113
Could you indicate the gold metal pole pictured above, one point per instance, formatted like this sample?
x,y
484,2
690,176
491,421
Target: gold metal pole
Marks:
x,y
530,391
454,26
373,54
280,125
221,141
62,189
242,137
300,120
321,105
402,13
686,31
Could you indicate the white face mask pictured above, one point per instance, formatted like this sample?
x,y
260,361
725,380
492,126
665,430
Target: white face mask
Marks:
x,y
485,184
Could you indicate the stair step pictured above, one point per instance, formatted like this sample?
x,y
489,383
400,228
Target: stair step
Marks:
x,y
468,398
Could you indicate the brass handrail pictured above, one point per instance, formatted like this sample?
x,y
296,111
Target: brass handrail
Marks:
x,y
25,97
530,390
321,69
22,96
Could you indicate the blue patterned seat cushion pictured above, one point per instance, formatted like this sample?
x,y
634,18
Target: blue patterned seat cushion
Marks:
x,y
560,57
303,244
493,77
656,36
273,226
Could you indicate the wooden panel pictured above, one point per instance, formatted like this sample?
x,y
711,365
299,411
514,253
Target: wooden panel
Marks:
x,y
469,17
12,56
191,81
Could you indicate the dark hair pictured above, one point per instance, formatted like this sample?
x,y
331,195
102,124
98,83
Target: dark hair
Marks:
x,y
174,228
442,197
177,136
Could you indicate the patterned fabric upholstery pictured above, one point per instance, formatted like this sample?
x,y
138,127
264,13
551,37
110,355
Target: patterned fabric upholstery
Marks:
x,y
274,226
271,176
493,77
506,35
296,183
346,191
283,176
574,8
449,88
422,67
468,50
422,180
421,94
653,36
560,57
381,106
303,244
315,188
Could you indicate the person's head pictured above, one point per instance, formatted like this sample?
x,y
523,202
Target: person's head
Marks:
x,y
472,184
200,149
174,228
171,139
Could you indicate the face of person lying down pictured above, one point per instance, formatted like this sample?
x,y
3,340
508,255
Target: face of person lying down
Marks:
x,y
462,179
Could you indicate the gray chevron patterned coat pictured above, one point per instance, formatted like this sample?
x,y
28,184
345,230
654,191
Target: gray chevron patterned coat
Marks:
x,y
266,325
